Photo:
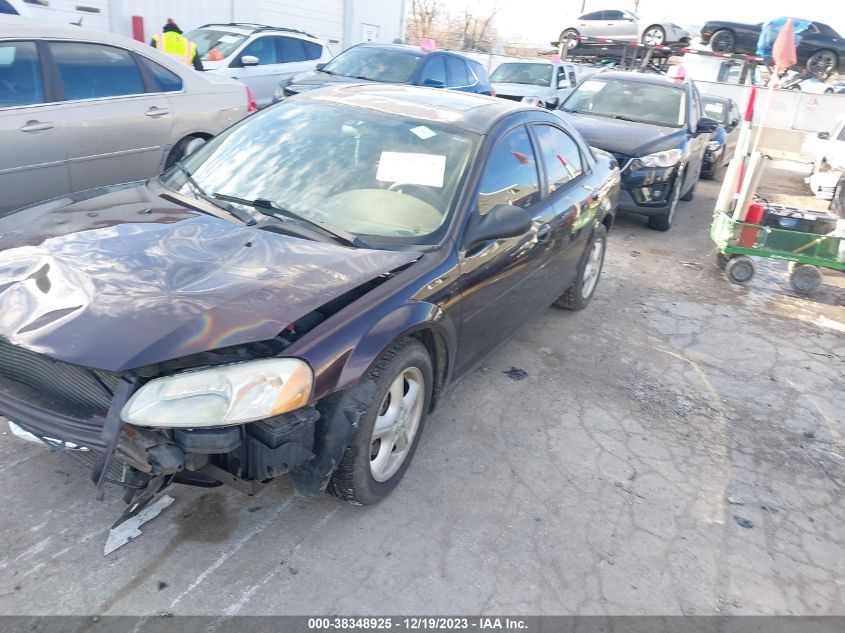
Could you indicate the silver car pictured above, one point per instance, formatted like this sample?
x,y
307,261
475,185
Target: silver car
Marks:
x,y
81,109
624,25
260,56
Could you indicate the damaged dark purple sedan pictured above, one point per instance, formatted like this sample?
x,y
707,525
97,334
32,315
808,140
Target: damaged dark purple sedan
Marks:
x,y
295,296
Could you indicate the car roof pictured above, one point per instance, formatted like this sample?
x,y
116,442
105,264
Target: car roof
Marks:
x,y
413,49
250,28
12,26
646,78
472,112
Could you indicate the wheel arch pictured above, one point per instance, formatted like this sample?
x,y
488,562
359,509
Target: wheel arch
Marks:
x,y
425,322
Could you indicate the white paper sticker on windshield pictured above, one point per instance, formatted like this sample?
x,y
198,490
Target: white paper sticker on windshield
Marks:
x,y
413,169
230,39
423,132
592,85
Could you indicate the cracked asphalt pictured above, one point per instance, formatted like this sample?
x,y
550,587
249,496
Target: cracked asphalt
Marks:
x,y
676,448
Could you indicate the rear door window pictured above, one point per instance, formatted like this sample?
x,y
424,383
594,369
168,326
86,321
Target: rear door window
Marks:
x,y
165,80
561,157
312,50
93,71
20,75
434,73
458,74
291,49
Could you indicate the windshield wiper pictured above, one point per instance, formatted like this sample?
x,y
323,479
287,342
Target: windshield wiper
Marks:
x,y
268,207
624,118
243,216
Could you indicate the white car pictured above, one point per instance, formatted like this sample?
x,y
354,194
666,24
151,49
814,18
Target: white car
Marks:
x,y
624,26
537,82
260,56
829,164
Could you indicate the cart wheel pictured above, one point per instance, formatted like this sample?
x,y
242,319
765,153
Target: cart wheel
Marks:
x,y
722,259
806,278
740,269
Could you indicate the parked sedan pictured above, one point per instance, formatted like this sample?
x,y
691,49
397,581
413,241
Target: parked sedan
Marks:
x,y
296,296
654,127
82,109
722,143
821,51
393,64
623,25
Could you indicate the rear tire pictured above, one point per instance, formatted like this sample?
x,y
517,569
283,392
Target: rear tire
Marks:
x,y
723,41
806,278
569,34
366,474
822,63
578,295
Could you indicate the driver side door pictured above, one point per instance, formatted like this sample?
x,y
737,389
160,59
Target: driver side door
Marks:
x,y
499,281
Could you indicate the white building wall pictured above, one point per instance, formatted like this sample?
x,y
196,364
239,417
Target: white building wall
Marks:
x,y
341,23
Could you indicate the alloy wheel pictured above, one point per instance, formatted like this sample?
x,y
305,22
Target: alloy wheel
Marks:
x,y
654,36
592,269
397,424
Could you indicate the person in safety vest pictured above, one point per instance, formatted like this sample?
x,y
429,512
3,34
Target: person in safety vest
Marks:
x,y
171,42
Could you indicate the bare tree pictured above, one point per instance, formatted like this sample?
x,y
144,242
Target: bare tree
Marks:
x,y
424,17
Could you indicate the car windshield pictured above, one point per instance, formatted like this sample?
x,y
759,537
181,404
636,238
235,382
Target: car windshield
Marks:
x,y
530,74
716,110
375,64
658,104
214,45
385,178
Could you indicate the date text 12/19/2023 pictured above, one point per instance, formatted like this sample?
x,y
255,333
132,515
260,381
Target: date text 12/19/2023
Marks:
x,y
417,623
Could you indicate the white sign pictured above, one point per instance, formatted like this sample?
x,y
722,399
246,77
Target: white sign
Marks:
x,y
412,169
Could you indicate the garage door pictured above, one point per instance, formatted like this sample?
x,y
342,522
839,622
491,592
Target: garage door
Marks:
x,y
323,18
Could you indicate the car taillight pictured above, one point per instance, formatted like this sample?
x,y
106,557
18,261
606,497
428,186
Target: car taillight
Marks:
x,y
251,103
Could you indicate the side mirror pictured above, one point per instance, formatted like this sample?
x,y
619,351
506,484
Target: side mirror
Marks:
x,y
734,122
825,136
433,83
503,220
320,66
706,125
552,103
249,60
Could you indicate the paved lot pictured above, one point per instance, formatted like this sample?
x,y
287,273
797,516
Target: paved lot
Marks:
x,y
676,448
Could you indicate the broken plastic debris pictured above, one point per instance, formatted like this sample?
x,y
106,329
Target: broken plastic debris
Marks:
x,y
130,529
515,373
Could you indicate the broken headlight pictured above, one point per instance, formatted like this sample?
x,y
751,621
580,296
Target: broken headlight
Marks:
x,y
221,396
666,158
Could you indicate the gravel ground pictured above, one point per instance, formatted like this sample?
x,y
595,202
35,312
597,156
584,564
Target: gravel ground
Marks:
x,y
676,448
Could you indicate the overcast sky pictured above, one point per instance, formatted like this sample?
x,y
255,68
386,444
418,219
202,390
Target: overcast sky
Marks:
x,y
543,20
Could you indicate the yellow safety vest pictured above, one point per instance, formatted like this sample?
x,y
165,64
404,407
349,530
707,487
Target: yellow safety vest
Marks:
x,y
177,46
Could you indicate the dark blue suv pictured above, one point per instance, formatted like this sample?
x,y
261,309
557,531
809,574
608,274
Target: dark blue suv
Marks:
x,y
393,64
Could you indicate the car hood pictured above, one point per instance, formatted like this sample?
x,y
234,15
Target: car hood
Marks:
x,y
624,137
521,90
127,278
318,79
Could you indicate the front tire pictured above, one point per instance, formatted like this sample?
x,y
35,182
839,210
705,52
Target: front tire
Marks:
x,y
569,38
689,195
578,295
822,63
396,396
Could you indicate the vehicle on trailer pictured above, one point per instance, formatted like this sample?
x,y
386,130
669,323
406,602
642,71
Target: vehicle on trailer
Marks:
x,y
655,128
81,109
821,50
829,163
393,64
258,55
623,25
722,143
538,82
295,296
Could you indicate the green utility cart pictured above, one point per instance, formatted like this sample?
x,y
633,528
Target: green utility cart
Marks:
x,y
738,243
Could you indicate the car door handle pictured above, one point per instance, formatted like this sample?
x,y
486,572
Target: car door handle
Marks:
x,y
36,126
544,233
155,112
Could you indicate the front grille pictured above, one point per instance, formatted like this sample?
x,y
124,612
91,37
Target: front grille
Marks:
x,y
84,390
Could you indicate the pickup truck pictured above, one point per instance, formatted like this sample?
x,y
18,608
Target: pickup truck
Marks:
x,y
540,82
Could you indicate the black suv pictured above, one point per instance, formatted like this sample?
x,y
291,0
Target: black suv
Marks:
x,y
654,127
